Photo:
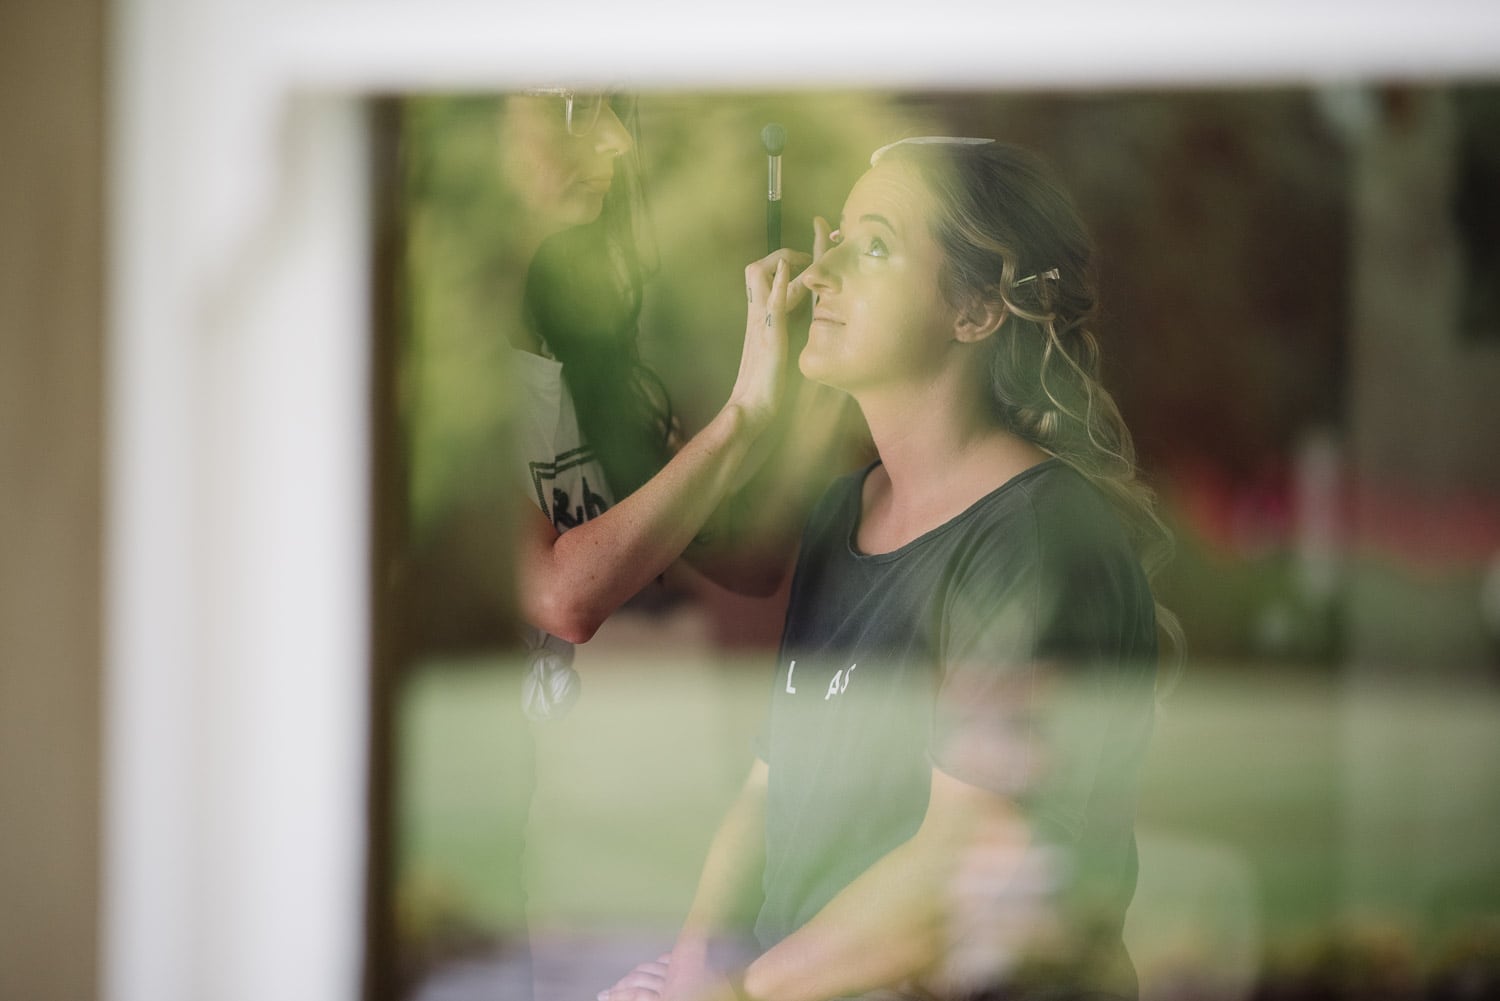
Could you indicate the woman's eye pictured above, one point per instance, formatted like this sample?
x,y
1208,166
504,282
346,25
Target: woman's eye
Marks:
x,y
877,248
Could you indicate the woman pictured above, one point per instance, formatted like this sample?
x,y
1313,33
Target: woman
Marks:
x,y
610,495
616,500
997,551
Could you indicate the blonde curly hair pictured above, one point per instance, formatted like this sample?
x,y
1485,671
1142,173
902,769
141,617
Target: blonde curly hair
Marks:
x,y
1012,237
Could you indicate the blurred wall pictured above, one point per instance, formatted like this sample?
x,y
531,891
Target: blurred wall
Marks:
x,y
1423,404
51,149
1423,417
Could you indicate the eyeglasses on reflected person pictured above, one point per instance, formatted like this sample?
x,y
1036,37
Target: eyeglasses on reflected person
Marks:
x,y
581,108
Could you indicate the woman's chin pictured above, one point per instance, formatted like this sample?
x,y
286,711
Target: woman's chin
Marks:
x,y
814,367
582,207
807,363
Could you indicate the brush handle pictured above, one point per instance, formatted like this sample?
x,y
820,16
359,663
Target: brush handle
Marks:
x,y
773,138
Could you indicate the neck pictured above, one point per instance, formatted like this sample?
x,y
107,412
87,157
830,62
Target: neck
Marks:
x,y
940,448
916,431
517,326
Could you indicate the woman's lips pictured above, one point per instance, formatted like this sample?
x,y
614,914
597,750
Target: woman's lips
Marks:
x,y
821,317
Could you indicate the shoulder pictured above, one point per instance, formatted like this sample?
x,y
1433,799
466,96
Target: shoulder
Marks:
x,y
1066,511
1052,552
534,370
1046,525
538,384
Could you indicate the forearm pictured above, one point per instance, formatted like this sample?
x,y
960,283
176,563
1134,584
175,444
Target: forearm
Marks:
x,y
732,869
884,928
576,579
897,921
748,544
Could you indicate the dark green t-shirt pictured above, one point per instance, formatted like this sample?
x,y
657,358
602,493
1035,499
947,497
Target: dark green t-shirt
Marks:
x,y
1013,647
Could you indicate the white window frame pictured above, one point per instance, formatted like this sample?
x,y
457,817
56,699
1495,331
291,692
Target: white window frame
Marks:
x,y
237,656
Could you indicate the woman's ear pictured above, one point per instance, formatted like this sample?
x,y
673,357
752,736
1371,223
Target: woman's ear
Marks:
x,y
979,320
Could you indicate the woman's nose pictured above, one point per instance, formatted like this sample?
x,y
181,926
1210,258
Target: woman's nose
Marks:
x,y
610,135
821,275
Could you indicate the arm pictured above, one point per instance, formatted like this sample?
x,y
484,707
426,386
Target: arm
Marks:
x,y
732,871
748,544
736,859
895,922
574,580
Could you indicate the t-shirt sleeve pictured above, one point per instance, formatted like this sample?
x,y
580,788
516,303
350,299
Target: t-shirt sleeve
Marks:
x,y
984,732
1030,696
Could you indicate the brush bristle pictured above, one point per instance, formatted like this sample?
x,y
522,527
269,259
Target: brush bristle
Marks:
x,y
773,138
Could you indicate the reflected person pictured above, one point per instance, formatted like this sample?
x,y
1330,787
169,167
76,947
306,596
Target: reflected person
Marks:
x,y
614,495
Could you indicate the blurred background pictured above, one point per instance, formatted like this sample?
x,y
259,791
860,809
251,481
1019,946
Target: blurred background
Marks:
x,y
244,364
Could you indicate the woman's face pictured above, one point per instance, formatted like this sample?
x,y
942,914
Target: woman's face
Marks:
x,y
561,179
880,315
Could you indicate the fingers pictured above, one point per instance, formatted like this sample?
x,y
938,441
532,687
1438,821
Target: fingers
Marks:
x,y
759,276
796,291
822,240
773,293
771,314
777,304
644,983
632,993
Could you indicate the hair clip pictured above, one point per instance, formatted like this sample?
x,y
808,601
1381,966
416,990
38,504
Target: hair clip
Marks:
x,y
927,141
1052,274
